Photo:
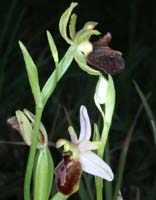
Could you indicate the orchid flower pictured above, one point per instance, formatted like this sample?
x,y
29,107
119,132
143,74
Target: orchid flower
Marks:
x,y
82,147
79,40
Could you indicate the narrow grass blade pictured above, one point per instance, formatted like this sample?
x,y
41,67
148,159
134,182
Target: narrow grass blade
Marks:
x,y
123,155
147,109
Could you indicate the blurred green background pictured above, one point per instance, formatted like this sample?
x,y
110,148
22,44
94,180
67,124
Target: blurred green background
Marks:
x,y
132,24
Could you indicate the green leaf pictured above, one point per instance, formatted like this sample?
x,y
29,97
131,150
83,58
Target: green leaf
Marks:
x,y
56,75
72,25
148,110
59,196
53,48
49,86
43,175
64,22
81,61
32,75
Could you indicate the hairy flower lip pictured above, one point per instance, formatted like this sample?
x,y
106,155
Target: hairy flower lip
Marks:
x,y
82,147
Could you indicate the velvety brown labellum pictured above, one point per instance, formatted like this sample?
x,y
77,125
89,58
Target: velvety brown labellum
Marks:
x,y
68,174
104,58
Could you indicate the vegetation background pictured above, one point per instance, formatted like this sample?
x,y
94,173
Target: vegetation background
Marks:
x,y
132,24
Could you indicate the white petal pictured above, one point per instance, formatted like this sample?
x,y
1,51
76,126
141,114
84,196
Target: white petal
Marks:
x,y
85,126
88,146
93,164
73,135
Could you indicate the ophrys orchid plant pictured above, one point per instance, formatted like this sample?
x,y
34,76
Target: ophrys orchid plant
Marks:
x,y
80,154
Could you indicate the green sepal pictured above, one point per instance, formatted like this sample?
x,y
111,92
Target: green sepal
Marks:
x,y
81,60
43,174
83,35
86,32
72,25
32,75
63,23
53,48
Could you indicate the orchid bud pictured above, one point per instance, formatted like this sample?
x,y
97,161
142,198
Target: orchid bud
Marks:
x,y
101,90
23,122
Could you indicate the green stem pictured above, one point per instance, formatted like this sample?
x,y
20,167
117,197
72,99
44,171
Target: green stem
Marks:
x,y
104,137
32,152
65,62
99,181
99,188
59,196
108,185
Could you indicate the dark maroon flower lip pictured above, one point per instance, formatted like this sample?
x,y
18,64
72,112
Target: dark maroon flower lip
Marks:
x,y
104,58
68,174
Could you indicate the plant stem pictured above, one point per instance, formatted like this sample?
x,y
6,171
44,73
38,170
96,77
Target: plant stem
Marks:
x,y
108,185
104,137
99,188
32,152
99,181
59,196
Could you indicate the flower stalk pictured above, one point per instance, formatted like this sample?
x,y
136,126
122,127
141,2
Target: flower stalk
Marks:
x,y
32,152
